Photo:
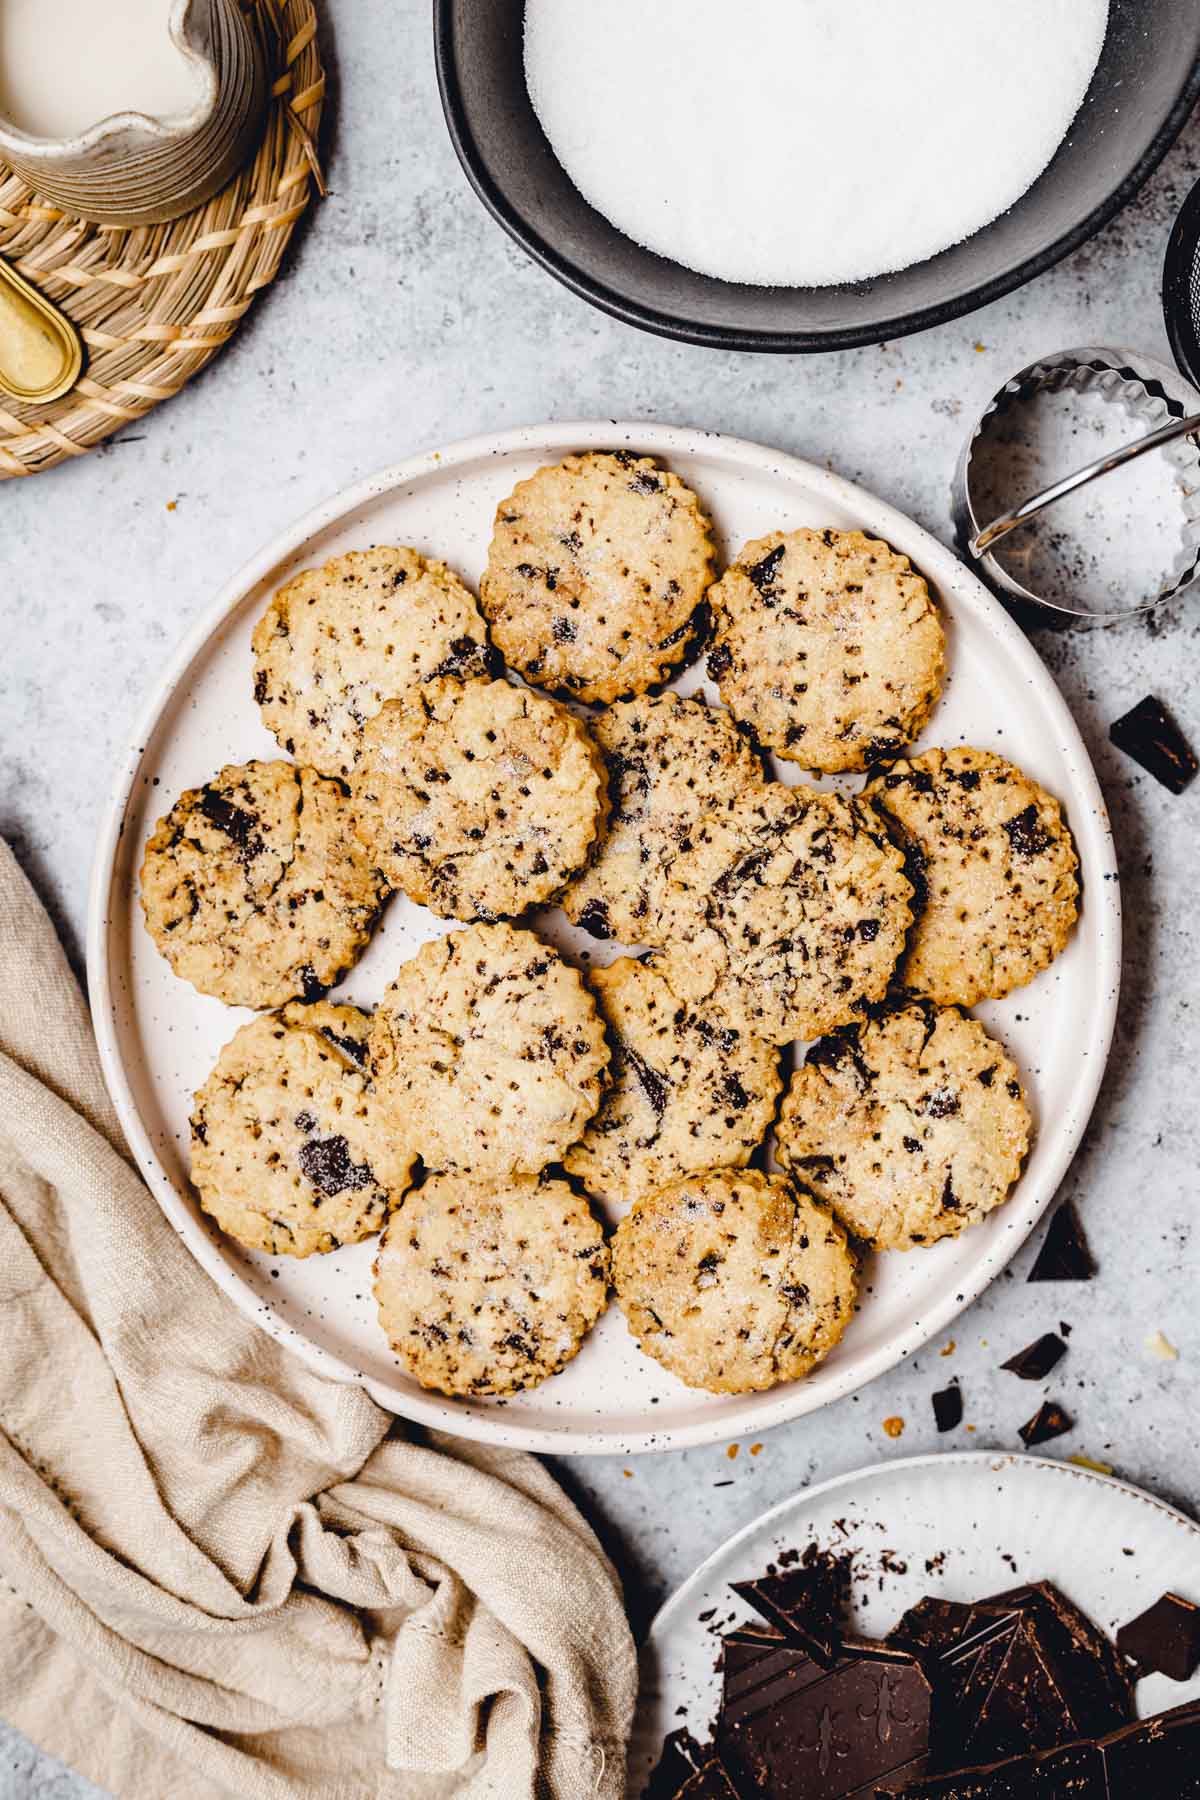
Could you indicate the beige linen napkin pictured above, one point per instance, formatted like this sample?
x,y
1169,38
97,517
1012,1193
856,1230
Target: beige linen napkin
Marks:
x,y
220,1573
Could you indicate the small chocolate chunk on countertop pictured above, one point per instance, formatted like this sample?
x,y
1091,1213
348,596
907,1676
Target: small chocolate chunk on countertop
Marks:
x,y
805,1603
1064,1255
1049,1421
948,1407
1035,1362
1165,1639
1151,737
791,1730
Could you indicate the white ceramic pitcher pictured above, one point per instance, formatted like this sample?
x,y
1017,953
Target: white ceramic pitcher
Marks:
x,y
134,169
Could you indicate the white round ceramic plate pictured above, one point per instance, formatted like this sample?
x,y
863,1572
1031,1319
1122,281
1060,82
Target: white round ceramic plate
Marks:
x,y
159,1039
959,1527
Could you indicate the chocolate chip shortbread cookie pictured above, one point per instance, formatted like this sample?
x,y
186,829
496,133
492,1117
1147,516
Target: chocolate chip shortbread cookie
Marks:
x,y
488,1047
289,1152
488,1287
687,1091
734,1280
336,642
793,916
479,799
595,571
995,868
828,644
912,1126
256,890
674,765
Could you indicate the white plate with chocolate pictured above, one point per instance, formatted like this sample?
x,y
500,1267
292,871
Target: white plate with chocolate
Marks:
x,y
893,1627
1026,1071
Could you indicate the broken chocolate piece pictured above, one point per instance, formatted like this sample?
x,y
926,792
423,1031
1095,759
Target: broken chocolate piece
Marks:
x,y
1074,1770
1029,1673
790,1730
1035,1362
805,1603
1156,1756
1165,1639
948,1407
1086,1662
708,1782
1049,1421
681,1757
1020,1707
1151,737
932,1624
1013,1697
1064,1255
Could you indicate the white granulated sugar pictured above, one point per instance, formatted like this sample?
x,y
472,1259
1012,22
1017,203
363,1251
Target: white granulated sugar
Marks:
x,y
807,142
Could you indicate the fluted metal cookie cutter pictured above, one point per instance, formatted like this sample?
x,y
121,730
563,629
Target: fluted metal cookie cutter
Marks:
x,y
1147,388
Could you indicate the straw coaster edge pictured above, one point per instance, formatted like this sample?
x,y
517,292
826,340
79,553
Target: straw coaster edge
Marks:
x,y
155,303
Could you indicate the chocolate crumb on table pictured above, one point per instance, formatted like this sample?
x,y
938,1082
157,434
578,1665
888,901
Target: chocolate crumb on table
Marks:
x,y
1151,737
1164,1640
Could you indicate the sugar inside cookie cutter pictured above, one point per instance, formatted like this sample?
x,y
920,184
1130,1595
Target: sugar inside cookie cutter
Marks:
x,y
1146,391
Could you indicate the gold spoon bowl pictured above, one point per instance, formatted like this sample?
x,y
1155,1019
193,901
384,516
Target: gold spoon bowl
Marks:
x,y
41,353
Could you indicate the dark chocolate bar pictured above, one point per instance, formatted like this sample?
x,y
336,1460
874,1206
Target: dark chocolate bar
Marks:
x,y
790,1730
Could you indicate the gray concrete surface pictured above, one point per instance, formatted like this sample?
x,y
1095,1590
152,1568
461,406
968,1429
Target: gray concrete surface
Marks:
x,y
406,318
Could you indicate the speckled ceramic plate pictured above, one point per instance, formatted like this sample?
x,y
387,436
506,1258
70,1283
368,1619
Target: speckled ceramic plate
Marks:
x,y
159,1039
956,1526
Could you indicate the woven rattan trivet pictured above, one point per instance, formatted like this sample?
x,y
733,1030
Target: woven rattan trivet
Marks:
x,y
155,303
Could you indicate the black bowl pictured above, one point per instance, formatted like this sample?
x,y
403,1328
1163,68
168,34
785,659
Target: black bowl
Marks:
x,y
1143,91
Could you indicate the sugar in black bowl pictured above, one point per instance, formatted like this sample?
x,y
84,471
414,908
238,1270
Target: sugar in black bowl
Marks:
x,y
1146,82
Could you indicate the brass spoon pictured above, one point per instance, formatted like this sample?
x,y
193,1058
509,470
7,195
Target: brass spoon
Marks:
x,y
41,353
